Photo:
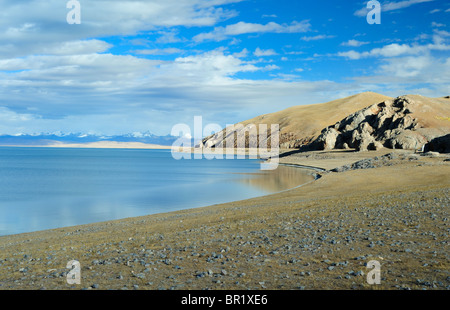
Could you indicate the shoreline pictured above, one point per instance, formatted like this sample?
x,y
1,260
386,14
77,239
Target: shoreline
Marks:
x,y
262,239
318,169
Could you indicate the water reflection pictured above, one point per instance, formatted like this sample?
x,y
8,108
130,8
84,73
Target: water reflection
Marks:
x,y
282,178
49,188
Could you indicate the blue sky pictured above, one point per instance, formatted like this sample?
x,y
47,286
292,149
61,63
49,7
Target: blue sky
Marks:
x,y
147,65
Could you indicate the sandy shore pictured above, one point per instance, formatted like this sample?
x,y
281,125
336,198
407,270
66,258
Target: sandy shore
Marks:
x,y
392,207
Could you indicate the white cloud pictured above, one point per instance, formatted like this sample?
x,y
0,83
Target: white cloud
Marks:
x,y
211,67
397,5
243,28
271,67
111,94
434,24
406,67
422,36
97,76
22,21
259,52
295,53
317,37
164,51
354,43
414,70
222,33
241,54
72,47
434,11
169,36
8,116
391,6
441,33
395,50
76,47
423,74
350,54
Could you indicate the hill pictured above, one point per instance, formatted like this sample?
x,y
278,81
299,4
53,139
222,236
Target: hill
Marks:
x,y
299,125
358,121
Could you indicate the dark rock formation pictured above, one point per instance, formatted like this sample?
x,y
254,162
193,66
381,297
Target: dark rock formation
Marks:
x,y
439,144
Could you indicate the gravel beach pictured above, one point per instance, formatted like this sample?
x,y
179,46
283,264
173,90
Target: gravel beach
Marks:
x,y
389,206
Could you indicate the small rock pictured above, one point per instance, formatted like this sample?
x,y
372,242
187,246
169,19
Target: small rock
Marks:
x,y
140,276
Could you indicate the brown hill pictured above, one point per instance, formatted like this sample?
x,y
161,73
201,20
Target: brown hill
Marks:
x,y
299,125
363,121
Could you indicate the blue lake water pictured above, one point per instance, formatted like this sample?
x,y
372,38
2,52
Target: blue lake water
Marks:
x,y
44,188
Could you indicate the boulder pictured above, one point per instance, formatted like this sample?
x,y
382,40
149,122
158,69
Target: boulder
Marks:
x,y
329,138
364,141
406,140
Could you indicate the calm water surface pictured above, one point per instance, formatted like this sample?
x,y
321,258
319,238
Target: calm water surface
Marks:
x,y
44,188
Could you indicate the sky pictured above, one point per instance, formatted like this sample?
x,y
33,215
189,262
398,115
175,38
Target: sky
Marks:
x,y
138,66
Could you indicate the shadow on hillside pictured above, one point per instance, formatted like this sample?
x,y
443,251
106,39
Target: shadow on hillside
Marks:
x,y
439,144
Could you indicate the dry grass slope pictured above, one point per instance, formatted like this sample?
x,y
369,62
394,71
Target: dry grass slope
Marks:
x,y
303,123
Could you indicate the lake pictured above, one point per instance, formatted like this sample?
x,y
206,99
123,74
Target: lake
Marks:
x,y
45,188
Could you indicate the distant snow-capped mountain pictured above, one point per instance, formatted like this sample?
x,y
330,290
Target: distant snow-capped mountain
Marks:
x,y
60,137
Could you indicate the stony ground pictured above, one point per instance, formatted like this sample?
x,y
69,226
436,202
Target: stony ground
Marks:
x,y
319,236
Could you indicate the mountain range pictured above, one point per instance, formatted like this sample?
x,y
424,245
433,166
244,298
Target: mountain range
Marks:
x,y
47,139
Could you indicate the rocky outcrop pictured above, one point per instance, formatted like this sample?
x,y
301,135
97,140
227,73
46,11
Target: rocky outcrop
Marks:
x,y
387,124
376,162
